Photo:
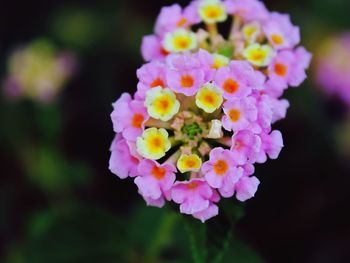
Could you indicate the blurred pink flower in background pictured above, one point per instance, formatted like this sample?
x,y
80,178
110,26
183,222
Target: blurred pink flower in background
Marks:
x,y
333,66
38,71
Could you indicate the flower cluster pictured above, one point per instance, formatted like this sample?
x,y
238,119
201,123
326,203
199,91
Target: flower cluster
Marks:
x,y
38,71
202,114
333,66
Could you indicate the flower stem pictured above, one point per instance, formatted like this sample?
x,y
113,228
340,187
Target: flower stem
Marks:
x,y
161,237
236,24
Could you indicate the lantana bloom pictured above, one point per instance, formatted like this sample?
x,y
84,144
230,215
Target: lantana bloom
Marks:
x,y
38,71
205,105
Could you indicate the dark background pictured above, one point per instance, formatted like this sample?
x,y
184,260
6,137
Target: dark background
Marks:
x,y
60,203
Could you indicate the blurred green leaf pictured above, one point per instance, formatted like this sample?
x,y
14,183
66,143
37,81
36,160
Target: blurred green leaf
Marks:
x,y
75,234
49,170
78,28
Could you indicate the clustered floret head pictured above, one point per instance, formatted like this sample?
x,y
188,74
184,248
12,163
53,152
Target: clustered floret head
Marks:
x,y
202,113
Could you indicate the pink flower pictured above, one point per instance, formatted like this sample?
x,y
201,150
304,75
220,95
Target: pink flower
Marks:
x,y
287,69
333,66
303,57
245,147
239,114
129,117
271,145
155,179
280,32
186,76
173,17
152,49
264,114
193,196
150,75
275,87
248,10
206,61
185,61
221,171
159,202
278,107
211,211
238,80
122,163
247,185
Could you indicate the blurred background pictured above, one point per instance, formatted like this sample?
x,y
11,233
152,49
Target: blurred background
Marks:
x,y
58,200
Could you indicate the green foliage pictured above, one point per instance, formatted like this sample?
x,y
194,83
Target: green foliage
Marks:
x,y
226,50
74,234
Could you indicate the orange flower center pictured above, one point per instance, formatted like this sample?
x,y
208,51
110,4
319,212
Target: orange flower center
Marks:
x,y
187,81
234,115
258,55
158,172
137,120
191,163
157,82
163,51
192,185
182,43
280,69
181,22
156,142
231,86
212,12
277,39
209,99
221,167
238,145
163,104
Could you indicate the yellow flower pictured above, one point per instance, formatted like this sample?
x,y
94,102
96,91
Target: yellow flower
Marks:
x,y
251,31
209,98
189,163
161,103
180,40
220,61
153,144
259,55
212,11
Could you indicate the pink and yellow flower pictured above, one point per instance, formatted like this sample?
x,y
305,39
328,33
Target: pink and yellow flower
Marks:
x,y
129,117
238,80
280,31
205,105
239,114
154,179
153,144
150,75
193,196
221,171
209,98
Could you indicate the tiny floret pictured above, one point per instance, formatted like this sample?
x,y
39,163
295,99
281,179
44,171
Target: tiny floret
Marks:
x,y
209,98
153,144
161,103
